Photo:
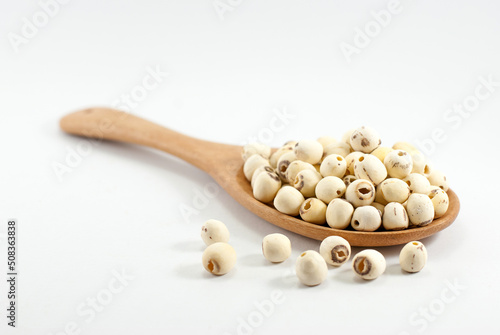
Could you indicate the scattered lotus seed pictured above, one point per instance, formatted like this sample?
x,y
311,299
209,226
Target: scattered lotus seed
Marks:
x,y
368,264
413,257
365,139
288,200
311,268
420,209
330,188
214,231
335,250
219,258
360,193
276,248
313,210
333,165
395,217
366,218
370,168
309,151
398,163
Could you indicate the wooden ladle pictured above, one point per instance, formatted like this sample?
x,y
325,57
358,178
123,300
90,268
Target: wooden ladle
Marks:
x,y
223,163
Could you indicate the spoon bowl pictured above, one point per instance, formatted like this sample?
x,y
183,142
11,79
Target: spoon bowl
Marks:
x,y
224,164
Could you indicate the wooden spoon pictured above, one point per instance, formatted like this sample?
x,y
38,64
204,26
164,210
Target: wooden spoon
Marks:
x,y
223,163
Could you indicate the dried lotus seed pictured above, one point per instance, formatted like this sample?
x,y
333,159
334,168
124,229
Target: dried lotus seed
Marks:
x,y
368,264
214,231
413,257
335,250
276,248
311,268
219,258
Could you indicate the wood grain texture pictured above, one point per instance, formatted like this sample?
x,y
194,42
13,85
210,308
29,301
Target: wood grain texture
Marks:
x,y
223,163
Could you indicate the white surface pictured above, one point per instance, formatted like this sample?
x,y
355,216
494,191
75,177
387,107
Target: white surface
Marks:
x,y
119,208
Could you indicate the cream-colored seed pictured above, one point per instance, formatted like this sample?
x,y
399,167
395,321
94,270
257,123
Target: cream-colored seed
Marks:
x,y
330,188
273,160
335,250
420,209
419,163
266,186
405,146
306,181
309,151
214,231
370,168
219,258
380,207
418,183
253,163
379,196
349,179
440,200
346,137
283,162
360,192
258,171
365,139
366,218
394,190
339,213
288,200
311,268
398,163
413,257
437,178
255,148
395,217
294,168
368,264
276,248
340,148
381,152
326,140
333,165
351,159
313,210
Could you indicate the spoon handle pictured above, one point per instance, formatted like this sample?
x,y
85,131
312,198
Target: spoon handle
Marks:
x,y
111,124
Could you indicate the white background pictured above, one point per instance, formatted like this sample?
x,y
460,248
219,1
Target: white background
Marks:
x,y
119,207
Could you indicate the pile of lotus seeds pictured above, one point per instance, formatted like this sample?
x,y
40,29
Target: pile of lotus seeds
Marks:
x,y
354,182
311,266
